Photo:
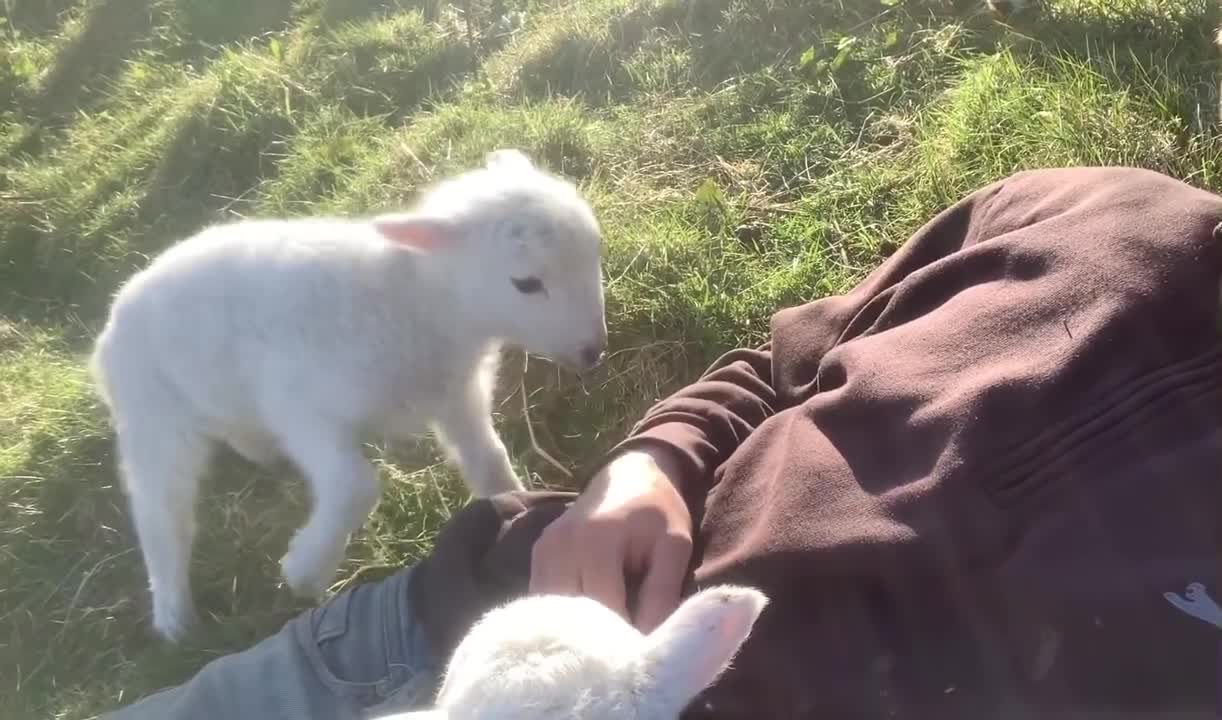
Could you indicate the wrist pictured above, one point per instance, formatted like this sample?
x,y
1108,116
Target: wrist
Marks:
x,y
647,461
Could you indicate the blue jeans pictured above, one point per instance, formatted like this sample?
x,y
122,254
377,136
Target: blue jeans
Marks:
x,y
359,655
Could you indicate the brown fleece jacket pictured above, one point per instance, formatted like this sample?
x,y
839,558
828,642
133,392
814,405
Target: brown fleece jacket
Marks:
x,y
968,485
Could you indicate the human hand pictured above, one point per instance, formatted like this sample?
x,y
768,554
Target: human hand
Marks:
x,y
630,519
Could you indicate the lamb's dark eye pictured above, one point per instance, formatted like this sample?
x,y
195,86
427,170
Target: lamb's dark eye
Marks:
x,y
528,285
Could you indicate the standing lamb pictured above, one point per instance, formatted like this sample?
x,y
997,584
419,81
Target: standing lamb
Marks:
x,y
552,657
293,338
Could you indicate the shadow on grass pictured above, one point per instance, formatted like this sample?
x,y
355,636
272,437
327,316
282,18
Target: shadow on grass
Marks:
x,y
210,23
36,18
110,29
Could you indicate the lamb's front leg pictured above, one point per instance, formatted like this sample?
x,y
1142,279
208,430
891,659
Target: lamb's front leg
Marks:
x,y
465,430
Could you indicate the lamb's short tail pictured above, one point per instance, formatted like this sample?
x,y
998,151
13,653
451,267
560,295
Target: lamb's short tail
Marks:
x,y
118,368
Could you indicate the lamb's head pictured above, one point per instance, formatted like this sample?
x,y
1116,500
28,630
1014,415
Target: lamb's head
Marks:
x,y
570,658
523,251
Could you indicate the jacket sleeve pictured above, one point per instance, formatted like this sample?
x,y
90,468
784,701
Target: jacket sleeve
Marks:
x,y
703,423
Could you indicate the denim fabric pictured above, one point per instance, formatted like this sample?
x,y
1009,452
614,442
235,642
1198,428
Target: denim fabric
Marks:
x,y
359,655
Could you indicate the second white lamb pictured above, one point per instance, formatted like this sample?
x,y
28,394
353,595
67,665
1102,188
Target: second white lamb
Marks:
x,y
561,657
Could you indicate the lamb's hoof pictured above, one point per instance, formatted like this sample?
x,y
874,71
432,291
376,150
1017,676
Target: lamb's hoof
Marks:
x,y
1009,8
174,621
303,575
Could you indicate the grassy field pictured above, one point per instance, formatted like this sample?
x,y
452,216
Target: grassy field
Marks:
x,y
743,155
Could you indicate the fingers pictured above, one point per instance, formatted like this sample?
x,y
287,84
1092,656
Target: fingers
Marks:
x,y
553,568
663,581
580,560
602,571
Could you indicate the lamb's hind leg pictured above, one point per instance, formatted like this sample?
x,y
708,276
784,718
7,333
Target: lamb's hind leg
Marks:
x,y
345,489
161,461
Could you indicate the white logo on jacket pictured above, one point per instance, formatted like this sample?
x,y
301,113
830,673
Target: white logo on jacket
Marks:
x,y
1196,602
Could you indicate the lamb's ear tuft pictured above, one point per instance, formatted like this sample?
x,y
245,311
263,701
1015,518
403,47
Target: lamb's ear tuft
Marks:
x,y
418,233
508,158
691,649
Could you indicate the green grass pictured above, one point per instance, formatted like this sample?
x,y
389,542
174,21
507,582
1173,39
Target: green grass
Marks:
x,y
832,128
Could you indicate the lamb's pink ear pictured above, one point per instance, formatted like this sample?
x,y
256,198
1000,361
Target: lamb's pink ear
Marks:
x,y
419,233
508,158
688,651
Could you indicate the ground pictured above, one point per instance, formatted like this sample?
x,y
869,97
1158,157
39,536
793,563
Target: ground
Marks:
x,y
742,155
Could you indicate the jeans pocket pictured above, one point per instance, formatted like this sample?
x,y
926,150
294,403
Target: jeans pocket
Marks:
x,y
356,642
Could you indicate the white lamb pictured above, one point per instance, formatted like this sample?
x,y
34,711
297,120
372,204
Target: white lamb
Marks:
x,y
294,338
547,657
